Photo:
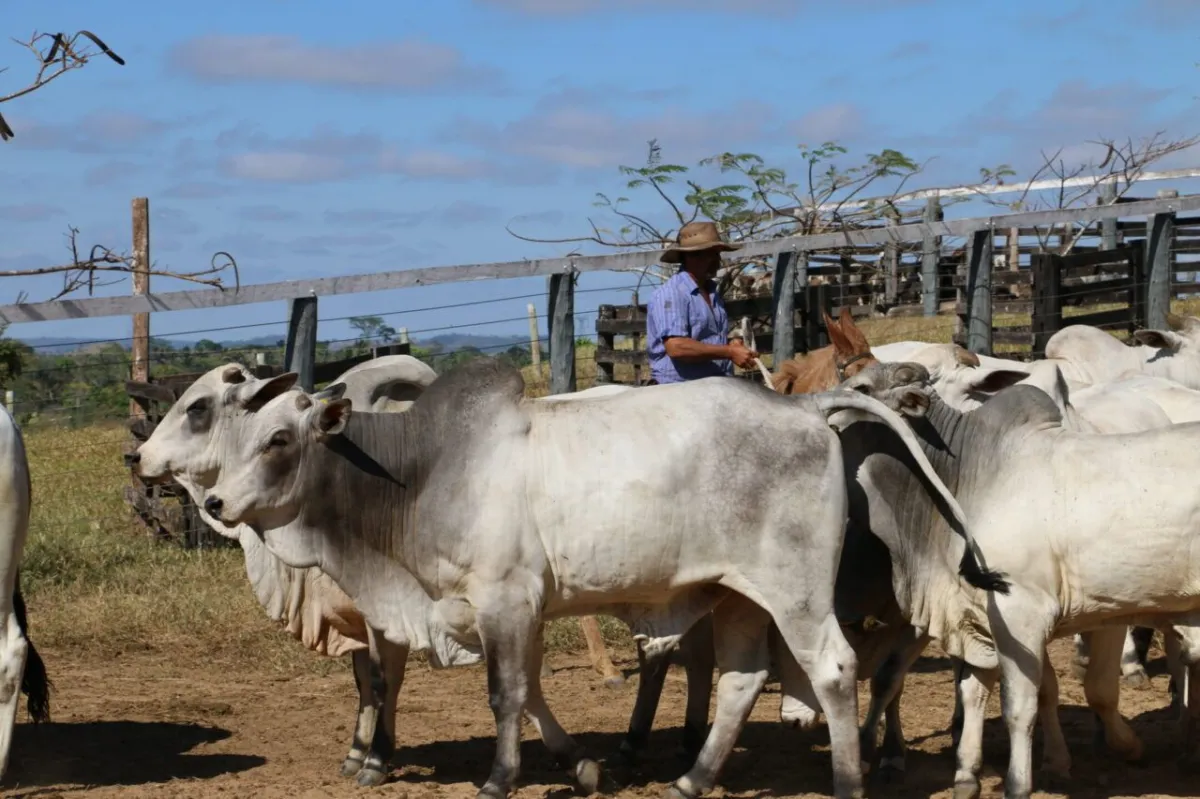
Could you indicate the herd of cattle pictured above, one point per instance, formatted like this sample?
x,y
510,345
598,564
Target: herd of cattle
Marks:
x,y
883,498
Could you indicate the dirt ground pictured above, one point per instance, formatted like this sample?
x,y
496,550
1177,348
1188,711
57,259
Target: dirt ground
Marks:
x,y
141,727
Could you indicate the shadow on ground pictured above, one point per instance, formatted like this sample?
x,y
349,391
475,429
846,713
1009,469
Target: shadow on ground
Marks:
x,y
116,753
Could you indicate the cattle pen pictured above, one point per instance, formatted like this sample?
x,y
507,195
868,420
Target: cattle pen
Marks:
x,y
171,681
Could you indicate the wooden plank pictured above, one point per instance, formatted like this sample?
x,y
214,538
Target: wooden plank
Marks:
x,y
1114,318
405,278
300,350
1078,287
1001,277
999,306
627,327
1097,258
783,293
561,314
622,357
1108,227
1012,336
139,367
150,391
1046,317
604,341
979,293
1158,270
931,247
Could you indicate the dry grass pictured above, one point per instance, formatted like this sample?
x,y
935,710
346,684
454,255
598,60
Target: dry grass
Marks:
x,y
97,587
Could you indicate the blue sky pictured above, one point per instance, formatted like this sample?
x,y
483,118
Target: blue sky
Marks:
x,y
309,141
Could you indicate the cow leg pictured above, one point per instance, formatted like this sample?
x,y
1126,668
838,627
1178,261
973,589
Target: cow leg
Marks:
x,y
831,667
740,637
652,671
1177,684
1187,661
973,688
1056,757
1081,656
16,656
368,713
798,706
598,652
697,650
1133,656
389,663
508,627
887,686
1021,623
1102,688
569,754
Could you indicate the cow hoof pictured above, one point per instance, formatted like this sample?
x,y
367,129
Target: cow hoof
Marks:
x,y
891,771
1054,781
351,766
371,777
675,792
547,672
588,775
1136,679
490,791
615,681
966,789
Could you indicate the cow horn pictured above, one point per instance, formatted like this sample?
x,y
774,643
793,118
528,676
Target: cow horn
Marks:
x,y
233,374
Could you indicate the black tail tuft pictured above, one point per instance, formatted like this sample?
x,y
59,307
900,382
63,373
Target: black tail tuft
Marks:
x,y
983,579
35,683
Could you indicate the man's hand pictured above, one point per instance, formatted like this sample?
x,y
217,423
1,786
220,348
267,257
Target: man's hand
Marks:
x,y
741,355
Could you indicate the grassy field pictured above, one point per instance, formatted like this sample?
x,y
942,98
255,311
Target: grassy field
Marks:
x,y
98,588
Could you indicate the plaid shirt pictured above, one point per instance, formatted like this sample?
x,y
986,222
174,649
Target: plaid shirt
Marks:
x,y
678,308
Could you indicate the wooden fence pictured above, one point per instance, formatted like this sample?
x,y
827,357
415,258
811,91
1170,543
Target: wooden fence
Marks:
x,y
899,260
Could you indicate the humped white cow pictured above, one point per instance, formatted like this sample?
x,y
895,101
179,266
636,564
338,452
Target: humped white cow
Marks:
x,y
1093,544
1092,355
309,604
21,667
506,490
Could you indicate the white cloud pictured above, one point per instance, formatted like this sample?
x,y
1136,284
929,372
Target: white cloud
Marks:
x,y
404,65
285,167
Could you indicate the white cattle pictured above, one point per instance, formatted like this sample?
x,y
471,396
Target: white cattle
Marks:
x,y
1091,355
1091,543
307,602
506,491
309,605
21,667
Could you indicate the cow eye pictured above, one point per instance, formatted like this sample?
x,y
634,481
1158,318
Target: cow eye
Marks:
x,y
198,407
278,441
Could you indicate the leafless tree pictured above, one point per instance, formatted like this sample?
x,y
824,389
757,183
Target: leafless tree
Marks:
x,y
56,55
1120,165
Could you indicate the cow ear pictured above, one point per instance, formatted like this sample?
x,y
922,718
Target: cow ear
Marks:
x,y
1159,339
997,380
911,401
332,391
261,392
330,418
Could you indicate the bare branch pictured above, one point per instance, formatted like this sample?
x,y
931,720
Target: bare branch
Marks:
x,y
85,271
65,54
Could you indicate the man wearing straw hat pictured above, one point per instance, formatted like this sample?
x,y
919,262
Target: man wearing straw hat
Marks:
x,y
686,323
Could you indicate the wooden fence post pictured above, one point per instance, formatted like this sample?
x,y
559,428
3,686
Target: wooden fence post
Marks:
x,y
783,298
561,319
535,343
1108,227
1160,232
979,293
1046,318
815,301
931,251
300,351
140,362
891,255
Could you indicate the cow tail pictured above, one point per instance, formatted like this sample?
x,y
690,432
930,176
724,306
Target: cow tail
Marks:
x,y
35,682
972,567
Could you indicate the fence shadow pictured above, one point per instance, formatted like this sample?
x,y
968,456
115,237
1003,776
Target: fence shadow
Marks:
x,y
116,753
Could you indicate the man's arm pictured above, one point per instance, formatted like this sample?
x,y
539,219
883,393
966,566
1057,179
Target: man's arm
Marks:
x,y
688,350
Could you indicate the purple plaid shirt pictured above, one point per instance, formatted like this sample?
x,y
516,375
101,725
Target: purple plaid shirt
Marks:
x,y
678,309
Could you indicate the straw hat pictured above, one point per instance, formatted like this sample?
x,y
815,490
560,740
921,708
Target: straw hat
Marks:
x,y
694,237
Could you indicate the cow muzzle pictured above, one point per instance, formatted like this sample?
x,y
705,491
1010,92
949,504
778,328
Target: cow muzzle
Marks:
x,y
214,506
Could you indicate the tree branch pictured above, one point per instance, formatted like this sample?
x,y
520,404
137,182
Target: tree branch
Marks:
x,y
64,55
